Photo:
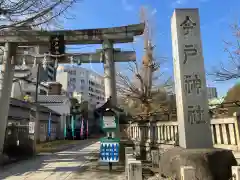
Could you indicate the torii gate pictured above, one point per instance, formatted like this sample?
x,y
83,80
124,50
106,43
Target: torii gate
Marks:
x,y
97,57
105,36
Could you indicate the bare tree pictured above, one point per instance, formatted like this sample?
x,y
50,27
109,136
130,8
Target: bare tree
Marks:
x,y
17,13
144,92
138,95
230,70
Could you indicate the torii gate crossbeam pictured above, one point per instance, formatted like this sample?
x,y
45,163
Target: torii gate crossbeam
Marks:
x,y
122,34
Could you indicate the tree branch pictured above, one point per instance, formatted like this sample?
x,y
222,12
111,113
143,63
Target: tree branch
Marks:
x,y
230,70
32,13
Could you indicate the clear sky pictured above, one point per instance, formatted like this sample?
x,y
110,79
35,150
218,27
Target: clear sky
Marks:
x,y
216,17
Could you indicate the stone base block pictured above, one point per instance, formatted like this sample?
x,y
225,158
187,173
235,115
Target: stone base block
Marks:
x,y
210,164
3,159
134,170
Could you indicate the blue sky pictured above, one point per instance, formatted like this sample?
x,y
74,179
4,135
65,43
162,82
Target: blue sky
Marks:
x,y
216,17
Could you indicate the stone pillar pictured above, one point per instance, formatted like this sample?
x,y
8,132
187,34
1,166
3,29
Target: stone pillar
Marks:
x,y
190,80
149,132
187,173
135,170
148,152
155,158
236,172
140,133
8,73
159,134
128,158
137,132
137,151
109,72
128,154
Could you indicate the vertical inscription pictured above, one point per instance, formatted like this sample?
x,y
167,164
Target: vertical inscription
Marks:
x,y
190,50
188,25
196,115
192,83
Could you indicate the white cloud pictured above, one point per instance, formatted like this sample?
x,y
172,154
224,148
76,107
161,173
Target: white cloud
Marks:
x,y
154,11
126,5
176,3
179,2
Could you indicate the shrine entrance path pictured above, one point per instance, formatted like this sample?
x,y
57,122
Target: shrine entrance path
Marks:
x,y
80,162
60,165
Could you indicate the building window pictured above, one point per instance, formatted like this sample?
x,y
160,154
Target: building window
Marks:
x,y
73,80
71,72
42,92
91,89
82,81
28,93
82,74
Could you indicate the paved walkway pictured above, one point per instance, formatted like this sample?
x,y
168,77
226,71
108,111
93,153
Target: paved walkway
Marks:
x,y
52,166
76,163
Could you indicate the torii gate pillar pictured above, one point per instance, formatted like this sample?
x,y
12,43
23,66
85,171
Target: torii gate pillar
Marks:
x,y
109,72
8,73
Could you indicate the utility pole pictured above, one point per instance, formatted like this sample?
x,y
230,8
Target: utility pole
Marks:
x,y
36,118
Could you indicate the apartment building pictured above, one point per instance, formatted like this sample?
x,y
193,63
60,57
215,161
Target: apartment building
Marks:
x,y
212,92
82,83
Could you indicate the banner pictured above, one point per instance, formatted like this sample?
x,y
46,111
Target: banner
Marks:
x,y
73,126
65,130
82,128
49,124
87,129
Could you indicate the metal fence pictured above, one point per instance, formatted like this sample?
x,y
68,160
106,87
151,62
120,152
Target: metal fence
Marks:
x,y
18,141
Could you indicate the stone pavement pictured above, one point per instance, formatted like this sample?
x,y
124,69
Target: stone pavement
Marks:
x,y
80,162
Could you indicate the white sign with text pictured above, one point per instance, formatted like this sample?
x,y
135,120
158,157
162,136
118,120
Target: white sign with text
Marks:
x,y
109,122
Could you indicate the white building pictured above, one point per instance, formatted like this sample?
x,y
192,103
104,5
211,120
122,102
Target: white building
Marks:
x,y
82,83
60,104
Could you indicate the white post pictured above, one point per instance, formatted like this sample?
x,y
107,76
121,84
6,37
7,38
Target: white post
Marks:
x,y
155,158
236,172
149,132
109,72
128,157
8,73
187,173
135,170
140,133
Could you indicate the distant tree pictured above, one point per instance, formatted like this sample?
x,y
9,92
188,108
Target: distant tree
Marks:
x,y
74,102
83,108
231,68
232,97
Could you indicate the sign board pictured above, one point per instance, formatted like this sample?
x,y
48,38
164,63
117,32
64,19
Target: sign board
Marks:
x,y
31,127
57,44
109,152
109,122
